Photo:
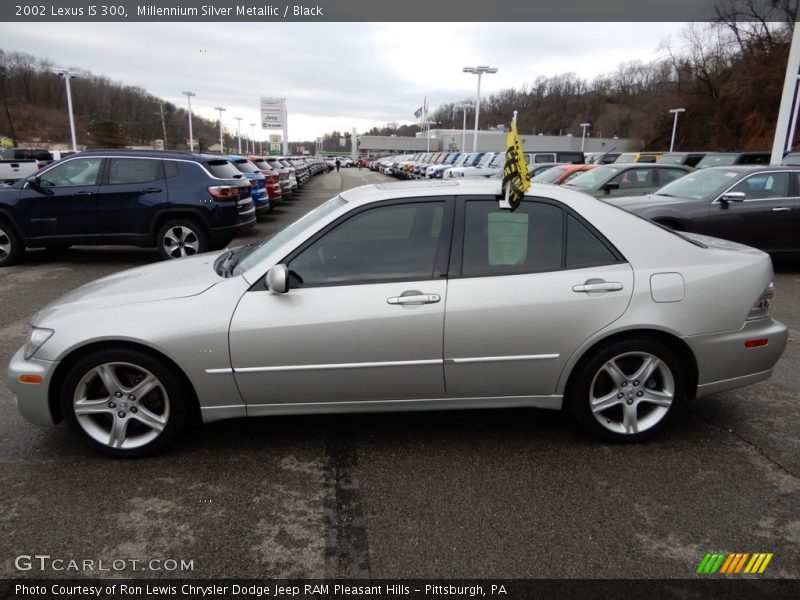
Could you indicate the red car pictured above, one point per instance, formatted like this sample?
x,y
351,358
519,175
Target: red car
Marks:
x,y
273,179
561,173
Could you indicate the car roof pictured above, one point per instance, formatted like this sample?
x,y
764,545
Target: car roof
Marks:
x,y
752,168
172,154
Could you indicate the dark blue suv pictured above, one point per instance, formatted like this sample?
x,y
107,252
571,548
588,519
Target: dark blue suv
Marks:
x,y
179,202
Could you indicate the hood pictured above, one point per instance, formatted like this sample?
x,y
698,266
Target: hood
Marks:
x,y
160,281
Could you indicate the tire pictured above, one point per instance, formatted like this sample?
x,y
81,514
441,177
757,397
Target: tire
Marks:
x,y
636,407
102,400
11,247
181,237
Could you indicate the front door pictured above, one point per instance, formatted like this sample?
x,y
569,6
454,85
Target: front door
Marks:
x,y
364,319
66,211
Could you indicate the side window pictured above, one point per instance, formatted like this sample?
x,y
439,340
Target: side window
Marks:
x,y
544,158
73,173
134,170
634,178
387,243
583,247
764,185
496,242
171,169
665,176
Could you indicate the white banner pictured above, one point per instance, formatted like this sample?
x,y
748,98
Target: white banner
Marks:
x,y
272,111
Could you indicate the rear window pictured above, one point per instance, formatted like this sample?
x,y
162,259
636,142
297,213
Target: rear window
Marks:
x,y
244,165
262,164
222,169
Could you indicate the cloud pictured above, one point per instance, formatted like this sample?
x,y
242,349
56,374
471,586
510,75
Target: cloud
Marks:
x,y
334,75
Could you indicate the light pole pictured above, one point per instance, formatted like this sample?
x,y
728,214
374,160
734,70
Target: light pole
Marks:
x,y
674,111
191,137
253,135
464,107
479,71
221,146
239,131
67,75
583,136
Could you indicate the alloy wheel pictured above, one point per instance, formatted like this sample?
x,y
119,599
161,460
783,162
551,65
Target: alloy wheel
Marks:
x,y
5,245
121,405
180,241
632,392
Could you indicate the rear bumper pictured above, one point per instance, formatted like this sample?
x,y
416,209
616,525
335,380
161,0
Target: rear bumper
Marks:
x,y
725,363
220,234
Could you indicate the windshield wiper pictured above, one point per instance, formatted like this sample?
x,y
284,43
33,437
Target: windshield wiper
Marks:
x,y
238,254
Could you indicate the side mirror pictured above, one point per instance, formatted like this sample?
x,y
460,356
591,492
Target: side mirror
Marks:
x,y
611,185
277,279
733,197
36,185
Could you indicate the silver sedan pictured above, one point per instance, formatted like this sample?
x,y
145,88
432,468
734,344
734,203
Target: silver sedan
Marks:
x,y
410,296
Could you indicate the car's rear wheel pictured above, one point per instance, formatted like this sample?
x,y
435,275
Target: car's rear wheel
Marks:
x,y
10,245
124,403
182,237
627,391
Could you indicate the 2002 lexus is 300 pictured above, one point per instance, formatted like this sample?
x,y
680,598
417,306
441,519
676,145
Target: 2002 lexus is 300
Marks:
x,y
410,296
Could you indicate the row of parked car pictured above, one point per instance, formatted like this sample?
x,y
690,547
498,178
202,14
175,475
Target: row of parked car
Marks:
x,y
179,202
735,196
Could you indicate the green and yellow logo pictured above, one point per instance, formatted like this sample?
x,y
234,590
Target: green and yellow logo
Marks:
x,y
731,563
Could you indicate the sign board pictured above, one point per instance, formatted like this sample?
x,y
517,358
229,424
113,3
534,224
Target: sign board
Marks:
x,y
275,149
159,145
274,138
300,150
272,112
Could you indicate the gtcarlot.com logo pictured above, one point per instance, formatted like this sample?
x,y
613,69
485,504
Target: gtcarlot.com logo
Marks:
x,y
734,563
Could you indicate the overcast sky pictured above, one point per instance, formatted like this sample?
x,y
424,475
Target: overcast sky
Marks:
x,y
335,76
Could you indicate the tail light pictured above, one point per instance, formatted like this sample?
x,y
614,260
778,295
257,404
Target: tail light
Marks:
x,y
761,308
224,192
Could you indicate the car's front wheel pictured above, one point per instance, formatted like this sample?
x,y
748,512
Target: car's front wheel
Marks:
x,y
628,390
182,237
124,403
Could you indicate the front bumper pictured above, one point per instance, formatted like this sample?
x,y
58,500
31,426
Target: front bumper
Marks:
x,y
32,398
725,363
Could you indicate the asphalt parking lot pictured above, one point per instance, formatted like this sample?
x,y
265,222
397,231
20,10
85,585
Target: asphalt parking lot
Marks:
x,y
503,494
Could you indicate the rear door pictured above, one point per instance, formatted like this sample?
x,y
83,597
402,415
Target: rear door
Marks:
x,y
132,192
525,290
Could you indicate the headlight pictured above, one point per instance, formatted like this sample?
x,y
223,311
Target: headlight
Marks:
x,y
37,336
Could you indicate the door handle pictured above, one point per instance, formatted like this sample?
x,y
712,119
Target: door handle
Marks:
x,y
414,297
151,190
83,193
781,209
597,286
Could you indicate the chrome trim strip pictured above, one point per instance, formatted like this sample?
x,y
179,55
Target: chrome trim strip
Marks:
x,y
362,365
485,359
549,401
218,371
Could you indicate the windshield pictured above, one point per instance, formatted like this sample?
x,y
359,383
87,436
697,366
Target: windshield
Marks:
x,y
595,177
549,176
791,159
700,185
269,245
498,160
716,160
487,158
626,157
672,159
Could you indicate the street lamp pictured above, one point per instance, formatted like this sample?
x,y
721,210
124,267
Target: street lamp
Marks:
x,y
479,71
67,75
583,136
675,111
220,110
253,135
191,137
239,131
464,107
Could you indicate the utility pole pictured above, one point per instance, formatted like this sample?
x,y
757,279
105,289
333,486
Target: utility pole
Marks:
x,y
163,123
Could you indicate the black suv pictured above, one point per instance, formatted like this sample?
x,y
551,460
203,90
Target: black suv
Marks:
x,y
179,202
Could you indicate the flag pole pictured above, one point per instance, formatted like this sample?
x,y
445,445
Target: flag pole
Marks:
x,y
506,202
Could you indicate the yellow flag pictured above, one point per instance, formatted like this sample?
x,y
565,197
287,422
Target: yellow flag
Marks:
x,y
515,170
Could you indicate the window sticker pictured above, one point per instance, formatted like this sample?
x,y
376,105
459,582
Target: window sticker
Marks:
x,y
508,238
